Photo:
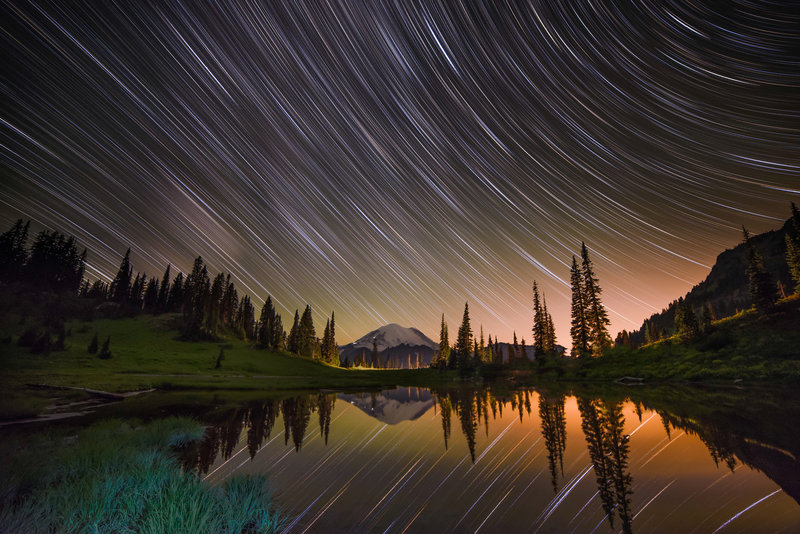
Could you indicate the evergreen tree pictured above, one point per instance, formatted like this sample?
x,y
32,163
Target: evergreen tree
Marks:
x,y
151,296
245,318
162,301
98,290
306,336
121,285
686,325
266,330
220,357
512,350
549,341
230,300
579,328
596,315
214,304
793,249
292,343
325,343
539,323
490,357
136,297
482,349
442,359
464,340
278,335
196,295
176,298
105,352
54,263
13,254
762,287
333,348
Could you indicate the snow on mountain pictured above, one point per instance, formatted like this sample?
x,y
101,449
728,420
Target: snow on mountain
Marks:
x,y
393,335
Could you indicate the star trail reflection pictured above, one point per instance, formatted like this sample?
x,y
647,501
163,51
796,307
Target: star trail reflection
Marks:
x,y
580,463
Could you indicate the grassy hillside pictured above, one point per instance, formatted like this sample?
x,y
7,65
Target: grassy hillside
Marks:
x,y
744,346
146,353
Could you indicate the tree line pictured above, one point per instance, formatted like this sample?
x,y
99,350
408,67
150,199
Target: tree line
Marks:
x,y
588,329
209,308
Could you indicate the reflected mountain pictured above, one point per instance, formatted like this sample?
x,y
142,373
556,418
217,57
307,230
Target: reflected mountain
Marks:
x,y
392,406
752,428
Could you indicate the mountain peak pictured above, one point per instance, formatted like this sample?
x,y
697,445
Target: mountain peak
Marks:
x,y
393,335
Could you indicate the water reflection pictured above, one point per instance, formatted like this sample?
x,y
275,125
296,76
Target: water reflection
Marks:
x,y
734,428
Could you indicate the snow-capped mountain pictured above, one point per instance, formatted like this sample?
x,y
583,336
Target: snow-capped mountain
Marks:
x,y
393,335
393,406
398,346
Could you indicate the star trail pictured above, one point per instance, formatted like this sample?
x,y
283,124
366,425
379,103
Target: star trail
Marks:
x,y
392,160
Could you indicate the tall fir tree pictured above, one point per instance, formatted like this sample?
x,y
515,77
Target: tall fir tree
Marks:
x,y
579,329
214,304
244,323
513,350
278,335
137,290
443,353
292,343
230,300
325,342
266,329
539,323
162,303
333,348
549,341
151,296
196,291
464,341
176,298
306,336
761,285
121,284
596,315
482,348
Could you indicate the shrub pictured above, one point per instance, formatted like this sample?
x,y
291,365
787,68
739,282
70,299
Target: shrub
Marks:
x,y
92,348
105,352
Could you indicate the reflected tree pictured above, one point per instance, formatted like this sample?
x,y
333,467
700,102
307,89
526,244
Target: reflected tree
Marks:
x,y
603,426
261,418
325,404
446,408
554,430
296,416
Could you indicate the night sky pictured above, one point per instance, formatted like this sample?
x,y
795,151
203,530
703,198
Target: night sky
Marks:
x,y
391,161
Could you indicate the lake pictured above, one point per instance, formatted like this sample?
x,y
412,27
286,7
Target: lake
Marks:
x,y
503,459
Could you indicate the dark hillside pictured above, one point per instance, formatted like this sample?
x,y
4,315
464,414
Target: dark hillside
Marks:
x,y
725,287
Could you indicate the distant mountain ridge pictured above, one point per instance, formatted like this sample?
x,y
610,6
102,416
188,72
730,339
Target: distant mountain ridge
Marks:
x,y
397,345
726,286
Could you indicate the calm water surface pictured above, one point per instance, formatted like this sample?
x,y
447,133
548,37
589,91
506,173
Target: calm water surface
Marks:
x,y
484,460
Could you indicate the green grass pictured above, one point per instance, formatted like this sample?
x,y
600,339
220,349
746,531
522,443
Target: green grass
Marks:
x,y
147,353
122,477
745,347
